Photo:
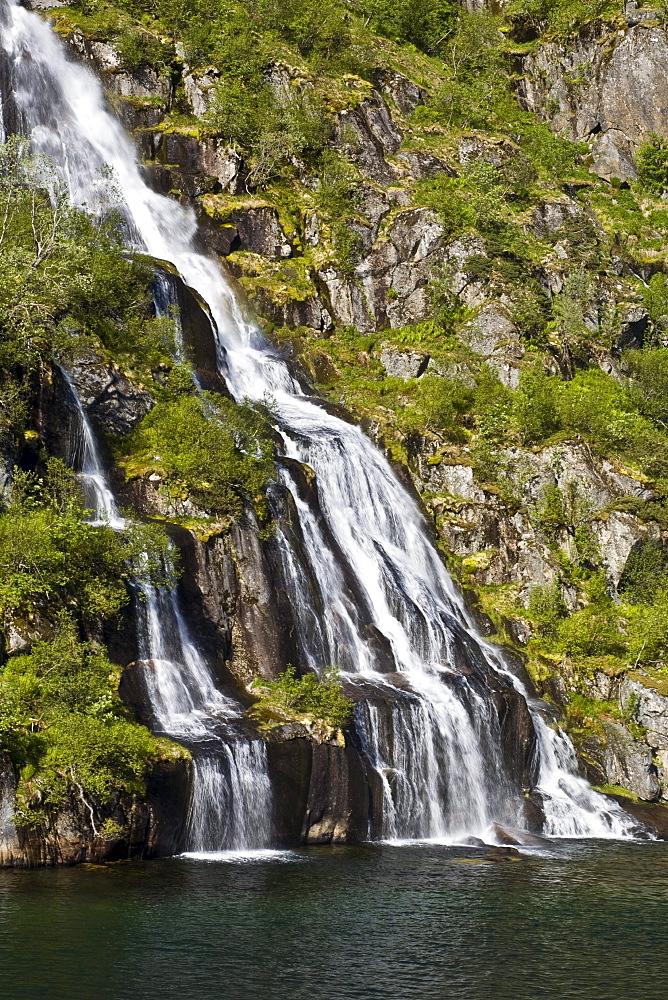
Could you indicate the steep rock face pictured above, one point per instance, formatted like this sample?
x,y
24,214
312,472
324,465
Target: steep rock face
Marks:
x,y
368,135
320,790
506,545
637,759
112,402
192,166
609,86
142,83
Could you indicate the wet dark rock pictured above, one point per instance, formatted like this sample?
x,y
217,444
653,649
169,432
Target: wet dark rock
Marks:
x,y
652,815
197,331
634,320
254,228
142,83
518,738
320,792
504,854
113,403
504,835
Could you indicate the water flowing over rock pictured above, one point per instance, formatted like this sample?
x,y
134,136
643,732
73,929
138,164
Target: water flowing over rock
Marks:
x,y
452,740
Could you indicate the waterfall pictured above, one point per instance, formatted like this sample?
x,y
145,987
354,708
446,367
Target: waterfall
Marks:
x,y
230,803
388,613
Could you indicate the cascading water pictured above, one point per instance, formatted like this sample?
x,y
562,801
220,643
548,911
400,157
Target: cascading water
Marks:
x,y
368,590
230,806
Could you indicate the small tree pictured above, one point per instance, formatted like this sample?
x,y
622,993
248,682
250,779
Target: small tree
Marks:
x,y
652,162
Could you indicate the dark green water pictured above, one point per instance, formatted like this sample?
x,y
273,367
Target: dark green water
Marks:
x,y
370,923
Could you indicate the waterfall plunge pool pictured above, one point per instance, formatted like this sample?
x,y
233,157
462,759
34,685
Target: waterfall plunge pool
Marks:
x,y
578,921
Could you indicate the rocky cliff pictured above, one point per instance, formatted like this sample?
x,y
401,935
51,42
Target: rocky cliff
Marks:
x,y
427,323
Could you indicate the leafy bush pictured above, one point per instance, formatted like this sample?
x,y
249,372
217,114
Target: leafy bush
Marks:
x,y
208,448
547,609
51,559
426,23
652,163
649,388
558,16
447,198
65,728
293,698
645,572
139,48
63,274
275,127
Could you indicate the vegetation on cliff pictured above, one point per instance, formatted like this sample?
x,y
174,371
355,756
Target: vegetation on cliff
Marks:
x,y
308,699
566,260
61,720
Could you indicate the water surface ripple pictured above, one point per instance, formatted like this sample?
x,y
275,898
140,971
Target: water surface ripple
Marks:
x,y
580,921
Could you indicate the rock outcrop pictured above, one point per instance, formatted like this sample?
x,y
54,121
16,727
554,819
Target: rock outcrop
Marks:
x,y
607,86
85,830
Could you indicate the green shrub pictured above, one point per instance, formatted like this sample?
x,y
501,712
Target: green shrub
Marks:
x,y
426,23
547,609
652,163
51,559
206,447
536,412
65,728
649,387
645,572
656,300
293,698
139,48
447,198
559,17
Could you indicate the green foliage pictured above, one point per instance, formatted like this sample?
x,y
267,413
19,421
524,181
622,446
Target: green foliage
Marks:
x,y
439,404
64,727
138,49
445,196
656,300
276,127
547,609
64,276
426,23
537,415
645,572
293,698
206,447
558,17
649,387
51,559
652,163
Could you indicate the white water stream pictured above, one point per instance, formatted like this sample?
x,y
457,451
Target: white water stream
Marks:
x,y
230,807
387,612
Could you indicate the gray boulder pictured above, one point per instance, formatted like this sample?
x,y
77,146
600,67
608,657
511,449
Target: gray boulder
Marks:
x,y
629,763
405,94
403,364
367,134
